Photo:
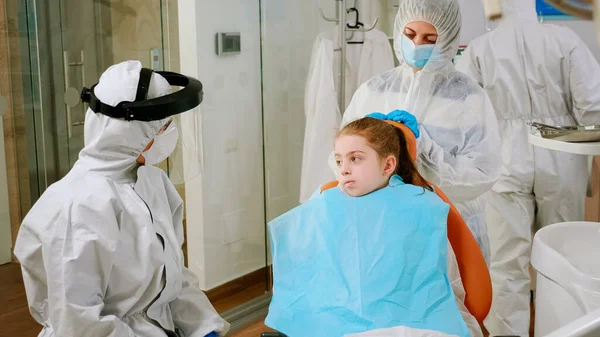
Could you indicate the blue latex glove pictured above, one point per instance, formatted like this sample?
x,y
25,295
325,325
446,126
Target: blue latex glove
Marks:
x,y
400,116
212,334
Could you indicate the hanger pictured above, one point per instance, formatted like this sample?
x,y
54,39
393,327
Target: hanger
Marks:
x,y
356,27
357,24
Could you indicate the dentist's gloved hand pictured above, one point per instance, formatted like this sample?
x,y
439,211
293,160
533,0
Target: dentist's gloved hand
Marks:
x,y
212,334
400,116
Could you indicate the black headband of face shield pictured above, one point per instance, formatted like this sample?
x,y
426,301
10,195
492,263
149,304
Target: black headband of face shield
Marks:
x,y
147,110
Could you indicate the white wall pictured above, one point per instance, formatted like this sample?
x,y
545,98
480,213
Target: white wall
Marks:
x,y
473,21
474,25
225,204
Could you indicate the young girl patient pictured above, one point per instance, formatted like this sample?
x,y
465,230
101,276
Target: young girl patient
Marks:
x,y
368,152
370,254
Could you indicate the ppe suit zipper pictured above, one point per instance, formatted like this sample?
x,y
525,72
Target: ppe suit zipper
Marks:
x,y
164,277
409,99
144,201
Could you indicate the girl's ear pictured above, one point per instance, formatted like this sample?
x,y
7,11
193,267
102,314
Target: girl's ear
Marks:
x,y
389,165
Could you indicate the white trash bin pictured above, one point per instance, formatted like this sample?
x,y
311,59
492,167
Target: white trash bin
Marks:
x,y
586,326
566,257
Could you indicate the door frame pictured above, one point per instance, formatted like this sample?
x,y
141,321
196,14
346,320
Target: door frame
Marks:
x,y
6,245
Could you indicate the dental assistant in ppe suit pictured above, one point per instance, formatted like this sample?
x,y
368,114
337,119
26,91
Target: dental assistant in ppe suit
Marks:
x,y
531,72
459,145
101,249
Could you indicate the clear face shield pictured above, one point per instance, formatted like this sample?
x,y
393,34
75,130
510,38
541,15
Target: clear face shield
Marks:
x,y
185,162
180,113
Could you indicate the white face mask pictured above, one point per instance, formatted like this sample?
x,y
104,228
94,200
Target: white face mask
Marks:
x,y
164,144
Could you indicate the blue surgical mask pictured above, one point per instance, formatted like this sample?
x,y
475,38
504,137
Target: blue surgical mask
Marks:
x,y
415,56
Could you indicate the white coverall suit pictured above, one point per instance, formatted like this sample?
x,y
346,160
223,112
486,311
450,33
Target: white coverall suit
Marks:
x,y
531,72
458,149
101,249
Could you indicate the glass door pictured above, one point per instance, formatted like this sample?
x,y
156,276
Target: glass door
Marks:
x,y
71,43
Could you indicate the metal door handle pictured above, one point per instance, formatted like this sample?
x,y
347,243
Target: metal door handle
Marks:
x,y
67,65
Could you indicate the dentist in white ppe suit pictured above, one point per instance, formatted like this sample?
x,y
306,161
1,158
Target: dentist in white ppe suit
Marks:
x,y
459,145
101,249
531,72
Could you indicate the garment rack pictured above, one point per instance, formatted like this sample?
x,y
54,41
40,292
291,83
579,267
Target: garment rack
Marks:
x,y
340,19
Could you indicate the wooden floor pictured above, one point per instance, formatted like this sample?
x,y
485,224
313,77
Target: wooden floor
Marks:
x,y
15,319
236,299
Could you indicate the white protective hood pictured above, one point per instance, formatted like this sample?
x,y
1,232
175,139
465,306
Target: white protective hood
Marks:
x,y
113,145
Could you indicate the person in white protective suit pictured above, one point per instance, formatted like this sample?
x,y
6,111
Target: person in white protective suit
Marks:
x,y
531,72
459,145
101,249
